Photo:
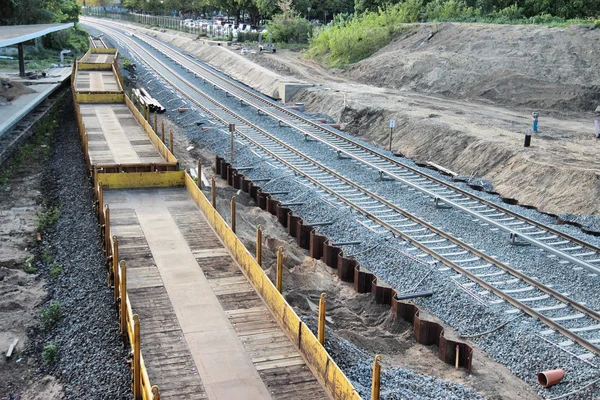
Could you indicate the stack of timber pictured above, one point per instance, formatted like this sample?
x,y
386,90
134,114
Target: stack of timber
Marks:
x,y
146,100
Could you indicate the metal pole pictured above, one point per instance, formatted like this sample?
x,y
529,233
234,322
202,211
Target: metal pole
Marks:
x,y
21,61
232,130
527,138
213,186
391,129
279,281
375,387
163,131
155,121
200,174
233,214
457,353
259,245
171,142
321,328
137,371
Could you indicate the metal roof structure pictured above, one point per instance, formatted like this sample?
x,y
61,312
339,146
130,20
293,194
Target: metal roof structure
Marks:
x,y
15,34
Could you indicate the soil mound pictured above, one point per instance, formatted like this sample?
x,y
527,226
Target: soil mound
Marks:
x,y
514,65
10,90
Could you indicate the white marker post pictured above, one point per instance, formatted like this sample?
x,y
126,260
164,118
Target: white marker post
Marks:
x,y
597,129
392,126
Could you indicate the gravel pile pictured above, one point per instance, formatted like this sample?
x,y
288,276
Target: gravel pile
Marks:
x,y
92,361
396,383
515,345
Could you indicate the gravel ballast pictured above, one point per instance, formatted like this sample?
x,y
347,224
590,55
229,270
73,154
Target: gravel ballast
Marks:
x,y
92,360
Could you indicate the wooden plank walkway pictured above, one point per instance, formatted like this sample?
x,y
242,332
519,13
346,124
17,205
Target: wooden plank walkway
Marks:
x,y
115,137
96,81
205,331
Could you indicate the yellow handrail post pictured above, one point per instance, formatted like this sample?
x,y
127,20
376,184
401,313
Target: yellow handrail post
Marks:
x,y
199,173
155,121
117,286
123,299
233,214
279,282
163,131
259,245
213,187
321,328
137,368
375,387
114,261
171,142
100,203
106,228
148,113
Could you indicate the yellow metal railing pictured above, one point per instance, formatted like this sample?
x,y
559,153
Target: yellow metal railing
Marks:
x,y
328,372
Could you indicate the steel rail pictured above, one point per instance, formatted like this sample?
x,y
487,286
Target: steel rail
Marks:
x,y
514,233
378,154
528,310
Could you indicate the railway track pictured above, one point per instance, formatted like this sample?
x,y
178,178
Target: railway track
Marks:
x,y
568,249
14,137
574,320
97,43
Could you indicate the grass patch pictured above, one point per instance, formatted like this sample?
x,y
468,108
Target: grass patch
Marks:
x,y
56,270
50,353
29,268
50,315
47,218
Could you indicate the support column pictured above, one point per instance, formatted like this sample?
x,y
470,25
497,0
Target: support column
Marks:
x,y
21,61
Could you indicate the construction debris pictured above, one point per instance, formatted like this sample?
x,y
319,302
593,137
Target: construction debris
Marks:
x,y
146,100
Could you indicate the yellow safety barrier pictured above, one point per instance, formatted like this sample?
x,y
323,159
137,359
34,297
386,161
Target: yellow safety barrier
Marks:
x,y
337,384
81,66
132,180
84,64
129,323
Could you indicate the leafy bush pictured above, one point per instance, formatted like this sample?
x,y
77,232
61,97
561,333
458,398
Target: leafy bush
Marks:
x,y
290,28
50,353
347,41
50,315
449,9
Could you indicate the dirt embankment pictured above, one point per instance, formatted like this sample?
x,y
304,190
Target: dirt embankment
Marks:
x,y
513,65
459,100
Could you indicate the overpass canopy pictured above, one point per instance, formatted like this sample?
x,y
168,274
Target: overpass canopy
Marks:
x,y
17,34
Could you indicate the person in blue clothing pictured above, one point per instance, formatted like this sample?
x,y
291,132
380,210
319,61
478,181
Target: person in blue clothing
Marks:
x,y
535,117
